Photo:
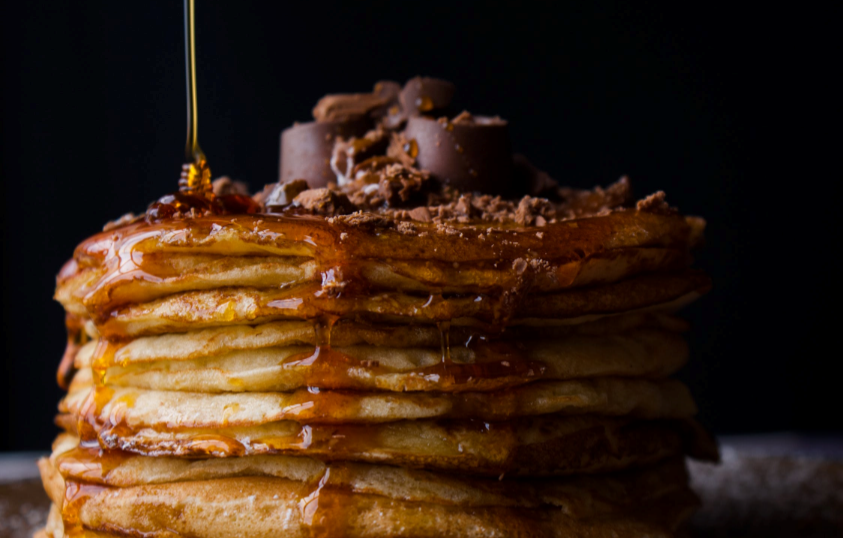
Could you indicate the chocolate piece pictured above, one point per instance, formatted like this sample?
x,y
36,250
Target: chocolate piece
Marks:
x,y
425,95
347,106
348,153
391,116
306,149
281,195
472,154
402,149
656,203
389,90
324,202
385,182
421,214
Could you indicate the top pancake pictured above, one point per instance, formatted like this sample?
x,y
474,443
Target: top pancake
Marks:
x,y
304,267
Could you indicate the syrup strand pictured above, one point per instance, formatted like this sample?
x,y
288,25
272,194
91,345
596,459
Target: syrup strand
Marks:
x,y
196,175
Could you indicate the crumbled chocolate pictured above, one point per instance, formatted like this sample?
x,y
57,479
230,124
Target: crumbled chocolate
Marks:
x,y
281,195
348,153
656,203
531,209
225,186
409,167
324,201
359,219
597,201
421,214
403,149
384,182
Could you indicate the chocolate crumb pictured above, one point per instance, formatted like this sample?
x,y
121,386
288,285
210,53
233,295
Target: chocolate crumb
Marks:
x,y
421,214
280,195
655,203
324,201
405,227
402,149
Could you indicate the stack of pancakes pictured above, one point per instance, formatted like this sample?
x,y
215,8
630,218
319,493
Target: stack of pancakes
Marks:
x,y
270,375
333,368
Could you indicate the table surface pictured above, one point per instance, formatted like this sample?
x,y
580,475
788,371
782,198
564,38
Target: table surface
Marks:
x,y
777,485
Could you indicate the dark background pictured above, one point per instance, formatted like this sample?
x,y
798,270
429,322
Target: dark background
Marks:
x,y
732,112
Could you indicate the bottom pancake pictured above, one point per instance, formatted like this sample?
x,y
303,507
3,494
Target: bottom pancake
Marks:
x,y
298,498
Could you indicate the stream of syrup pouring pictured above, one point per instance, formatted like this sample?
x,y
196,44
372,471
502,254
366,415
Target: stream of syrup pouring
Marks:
x,y
195,196
196,174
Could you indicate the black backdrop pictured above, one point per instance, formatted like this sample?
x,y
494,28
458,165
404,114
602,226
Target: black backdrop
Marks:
x,y
728,111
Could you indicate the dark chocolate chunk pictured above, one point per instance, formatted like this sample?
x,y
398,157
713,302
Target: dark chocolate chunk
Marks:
x,y
281,195
306,149
471,153
425,95
324,202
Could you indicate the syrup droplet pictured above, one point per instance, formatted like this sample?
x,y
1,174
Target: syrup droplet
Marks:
x,y
411,148
424,104
195,177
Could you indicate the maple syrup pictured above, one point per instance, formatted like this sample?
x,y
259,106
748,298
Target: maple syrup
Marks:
x,y
75,497
196,174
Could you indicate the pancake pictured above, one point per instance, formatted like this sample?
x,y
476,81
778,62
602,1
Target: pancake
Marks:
x,y
539,446
220,340
289,499
358,239
646,353
201,309
181,272
136,408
